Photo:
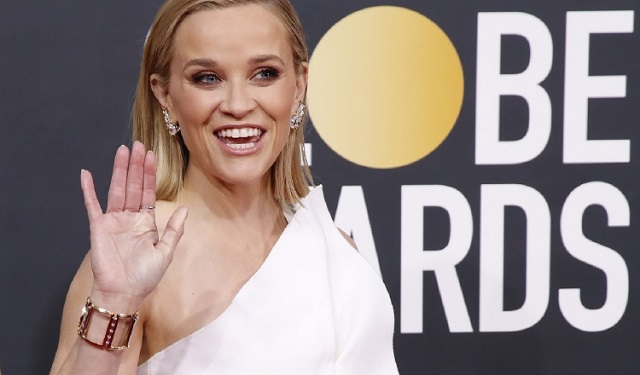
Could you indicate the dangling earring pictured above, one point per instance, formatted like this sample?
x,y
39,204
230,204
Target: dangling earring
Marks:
x,y
296,120
171,127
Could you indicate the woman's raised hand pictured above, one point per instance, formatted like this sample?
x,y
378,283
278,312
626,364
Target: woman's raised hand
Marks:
x,y
128,258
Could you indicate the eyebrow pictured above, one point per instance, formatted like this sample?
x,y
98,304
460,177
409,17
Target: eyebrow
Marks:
x,y
266,58
208,63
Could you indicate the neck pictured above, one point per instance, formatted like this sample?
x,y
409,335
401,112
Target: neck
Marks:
x,y
240,219
206,195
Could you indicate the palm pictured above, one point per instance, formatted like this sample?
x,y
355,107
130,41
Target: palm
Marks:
x,y
127,256
123,252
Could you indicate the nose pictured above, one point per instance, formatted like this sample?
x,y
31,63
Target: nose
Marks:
x,y
238,102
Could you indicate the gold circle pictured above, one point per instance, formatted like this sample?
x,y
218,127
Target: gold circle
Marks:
x,y
385,87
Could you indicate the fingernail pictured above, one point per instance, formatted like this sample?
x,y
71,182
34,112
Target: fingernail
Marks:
x,y
122,149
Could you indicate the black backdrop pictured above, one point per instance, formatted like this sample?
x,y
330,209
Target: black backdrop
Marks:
x,y
67,76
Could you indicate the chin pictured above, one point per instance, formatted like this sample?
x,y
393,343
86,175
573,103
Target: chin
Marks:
x,y
246,176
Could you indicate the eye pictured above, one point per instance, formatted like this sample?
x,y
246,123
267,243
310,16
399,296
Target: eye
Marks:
x,y
267,74
206,78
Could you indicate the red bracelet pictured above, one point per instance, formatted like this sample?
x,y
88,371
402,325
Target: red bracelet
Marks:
x,y
119,328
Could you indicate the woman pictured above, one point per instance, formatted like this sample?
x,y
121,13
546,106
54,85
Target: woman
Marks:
x,y
257,279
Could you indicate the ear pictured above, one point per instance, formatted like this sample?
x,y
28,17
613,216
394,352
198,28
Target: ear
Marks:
x,y
301,82
161,91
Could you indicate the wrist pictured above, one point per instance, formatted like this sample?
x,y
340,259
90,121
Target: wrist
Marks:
x,y
119,302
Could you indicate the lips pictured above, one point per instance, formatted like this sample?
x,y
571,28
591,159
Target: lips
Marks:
x,y
242,138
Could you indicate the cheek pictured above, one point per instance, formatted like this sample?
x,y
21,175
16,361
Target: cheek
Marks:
x,y
280,105
194,107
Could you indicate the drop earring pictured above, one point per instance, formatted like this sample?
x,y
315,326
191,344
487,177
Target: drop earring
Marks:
x,y
296,120
171,127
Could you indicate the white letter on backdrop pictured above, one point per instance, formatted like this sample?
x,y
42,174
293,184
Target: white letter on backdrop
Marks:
x,y
491,85
596,255
493,200
580,87
415,260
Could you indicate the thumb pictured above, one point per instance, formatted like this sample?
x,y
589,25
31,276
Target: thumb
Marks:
x,y
173,232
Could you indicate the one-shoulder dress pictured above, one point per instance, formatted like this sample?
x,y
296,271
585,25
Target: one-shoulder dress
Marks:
x,y
315,306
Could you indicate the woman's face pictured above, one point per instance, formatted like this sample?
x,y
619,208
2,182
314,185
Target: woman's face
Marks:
x,y
233,88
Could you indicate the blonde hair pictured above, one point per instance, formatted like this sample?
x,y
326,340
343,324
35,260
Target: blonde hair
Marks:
x,y
290,175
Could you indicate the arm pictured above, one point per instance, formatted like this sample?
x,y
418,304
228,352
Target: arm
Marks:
x,y
125,264
72,349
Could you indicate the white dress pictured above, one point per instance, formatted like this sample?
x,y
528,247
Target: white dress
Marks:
x,y
315,306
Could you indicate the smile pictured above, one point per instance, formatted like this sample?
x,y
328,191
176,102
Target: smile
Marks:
x,y
239,138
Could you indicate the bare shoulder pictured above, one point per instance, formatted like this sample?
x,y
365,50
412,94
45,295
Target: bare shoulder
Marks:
x,y
348,238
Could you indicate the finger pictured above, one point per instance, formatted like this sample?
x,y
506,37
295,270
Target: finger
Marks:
x,y
149,181
173,232
117,192
90,199
134,178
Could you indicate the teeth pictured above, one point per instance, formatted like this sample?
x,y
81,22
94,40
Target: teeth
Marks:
x,y
240,146
239,133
